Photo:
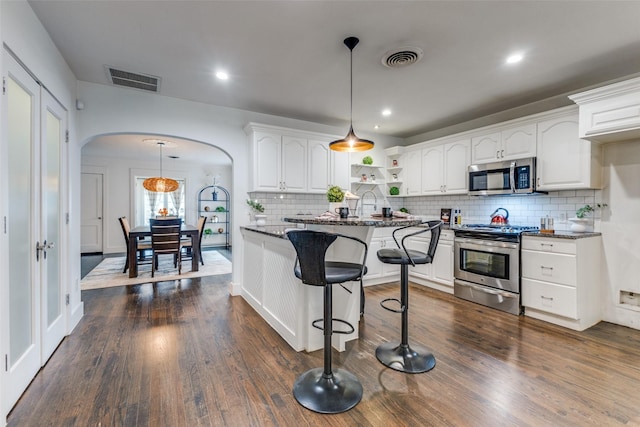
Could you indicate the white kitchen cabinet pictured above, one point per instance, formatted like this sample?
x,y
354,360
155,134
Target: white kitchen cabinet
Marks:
x,y
439,274
290,160
514,142
610,113
561,280
340,169
377,271
566,162
412,172
318,166
294,164
444,168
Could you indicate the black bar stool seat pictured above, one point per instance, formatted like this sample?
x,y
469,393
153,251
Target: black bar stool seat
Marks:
x,y
401,356
326,390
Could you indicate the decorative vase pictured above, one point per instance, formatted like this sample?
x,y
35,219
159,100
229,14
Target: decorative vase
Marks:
x,y
578,225
333,206
261,220
215,195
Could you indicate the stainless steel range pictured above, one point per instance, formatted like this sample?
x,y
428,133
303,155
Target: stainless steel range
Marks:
x,y
487,265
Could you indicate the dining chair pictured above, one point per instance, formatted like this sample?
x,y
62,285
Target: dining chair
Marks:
x,y
165,240
187,244
143,245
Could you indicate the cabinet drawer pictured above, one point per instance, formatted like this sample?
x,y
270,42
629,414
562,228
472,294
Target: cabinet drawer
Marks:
x,y
556,268
559,246
556,299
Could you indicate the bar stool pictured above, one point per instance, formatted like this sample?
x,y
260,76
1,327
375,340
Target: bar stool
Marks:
x,y
326,390
401,356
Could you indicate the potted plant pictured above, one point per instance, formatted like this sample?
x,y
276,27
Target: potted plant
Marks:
x,y
335,196
580,221
258,210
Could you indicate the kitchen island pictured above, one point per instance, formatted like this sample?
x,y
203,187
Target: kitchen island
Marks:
x,y
289,306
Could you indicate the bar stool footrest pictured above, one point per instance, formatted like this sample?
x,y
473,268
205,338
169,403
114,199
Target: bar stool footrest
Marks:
x,y
404,358
402,308
344,322
327,394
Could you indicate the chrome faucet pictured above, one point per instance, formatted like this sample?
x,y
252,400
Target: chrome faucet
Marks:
x,y
362,205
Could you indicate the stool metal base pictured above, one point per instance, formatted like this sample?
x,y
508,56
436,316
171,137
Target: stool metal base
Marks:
x,y
338,393
404,358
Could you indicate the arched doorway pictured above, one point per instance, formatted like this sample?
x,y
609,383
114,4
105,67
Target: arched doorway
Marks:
x,y
113,167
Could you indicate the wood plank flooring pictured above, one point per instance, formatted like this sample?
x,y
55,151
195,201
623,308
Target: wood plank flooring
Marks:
x,y
189,354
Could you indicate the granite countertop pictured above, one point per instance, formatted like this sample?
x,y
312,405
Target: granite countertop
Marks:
x,y
368,221
273,230
561,234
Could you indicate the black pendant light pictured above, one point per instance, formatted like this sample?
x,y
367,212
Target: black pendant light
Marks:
x,y
351,142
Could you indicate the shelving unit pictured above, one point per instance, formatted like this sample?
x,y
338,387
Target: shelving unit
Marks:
x,y
359,185
213,203
394,166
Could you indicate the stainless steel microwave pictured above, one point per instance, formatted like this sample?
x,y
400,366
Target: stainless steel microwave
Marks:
x,y
507,177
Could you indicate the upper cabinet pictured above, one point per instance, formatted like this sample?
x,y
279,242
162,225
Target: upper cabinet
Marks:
x,y
285,160
514,142
564,160
444,168
610,113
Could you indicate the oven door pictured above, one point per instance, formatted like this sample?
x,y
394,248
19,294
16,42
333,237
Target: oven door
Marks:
x,y
488,262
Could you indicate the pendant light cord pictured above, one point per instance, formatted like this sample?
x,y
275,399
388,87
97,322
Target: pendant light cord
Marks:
x,y
351,91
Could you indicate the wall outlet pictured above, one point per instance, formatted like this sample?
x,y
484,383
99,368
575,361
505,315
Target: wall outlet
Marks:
x,y
563,217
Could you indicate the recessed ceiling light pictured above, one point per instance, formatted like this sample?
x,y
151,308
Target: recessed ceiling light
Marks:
x,y
515,58
222,75
386,112
376,127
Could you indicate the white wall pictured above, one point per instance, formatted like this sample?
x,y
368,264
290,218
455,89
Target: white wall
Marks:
x,y
118,195
620,228
110,110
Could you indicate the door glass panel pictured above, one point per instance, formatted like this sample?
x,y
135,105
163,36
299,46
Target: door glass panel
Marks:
x,y
51,186
20,136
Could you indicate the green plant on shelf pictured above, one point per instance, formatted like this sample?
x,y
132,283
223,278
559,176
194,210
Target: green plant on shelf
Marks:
x,y
394,191
220,209
367,160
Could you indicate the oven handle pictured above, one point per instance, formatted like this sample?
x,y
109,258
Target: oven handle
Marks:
x,y
486,290
488,243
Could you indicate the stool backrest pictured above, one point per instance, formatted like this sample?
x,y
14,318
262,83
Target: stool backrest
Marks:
x,y
436,227
311,248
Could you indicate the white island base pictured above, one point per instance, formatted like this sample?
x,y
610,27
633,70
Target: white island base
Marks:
x,y
288,305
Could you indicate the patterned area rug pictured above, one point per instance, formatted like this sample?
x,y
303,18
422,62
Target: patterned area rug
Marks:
x,y
109,272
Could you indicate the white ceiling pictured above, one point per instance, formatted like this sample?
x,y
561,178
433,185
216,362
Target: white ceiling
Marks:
x,y
287,58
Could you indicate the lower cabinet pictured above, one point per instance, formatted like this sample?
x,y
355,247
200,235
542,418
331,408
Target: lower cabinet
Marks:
x,y
560,280
377,271
439,274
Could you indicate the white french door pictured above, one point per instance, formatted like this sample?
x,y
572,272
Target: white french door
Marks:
x,y
34,313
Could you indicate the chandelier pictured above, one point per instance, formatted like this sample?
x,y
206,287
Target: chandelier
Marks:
x,y
160,184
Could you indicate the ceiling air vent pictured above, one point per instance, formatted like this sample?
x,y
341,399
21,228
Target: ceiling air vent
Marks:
x,y
144,82
402,56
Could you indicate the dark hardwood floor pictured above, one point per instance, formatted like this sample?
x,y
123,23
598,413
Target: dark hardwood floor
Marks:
x,y
187,354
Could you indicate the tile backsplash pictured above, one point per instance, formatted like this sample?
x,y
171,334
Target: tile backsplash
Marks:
x,y
523,210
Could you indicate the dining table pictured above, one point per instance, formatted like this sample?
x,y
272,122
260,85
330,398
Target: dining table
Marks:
x,y
143,231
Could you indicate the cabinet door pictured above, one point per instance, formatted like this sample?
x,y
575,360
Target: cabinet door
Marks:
x,y
374,265
457,156
267,160
486,148
318,166
564,160
294,163
518,142
413,173
340,169
443,263
432,165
